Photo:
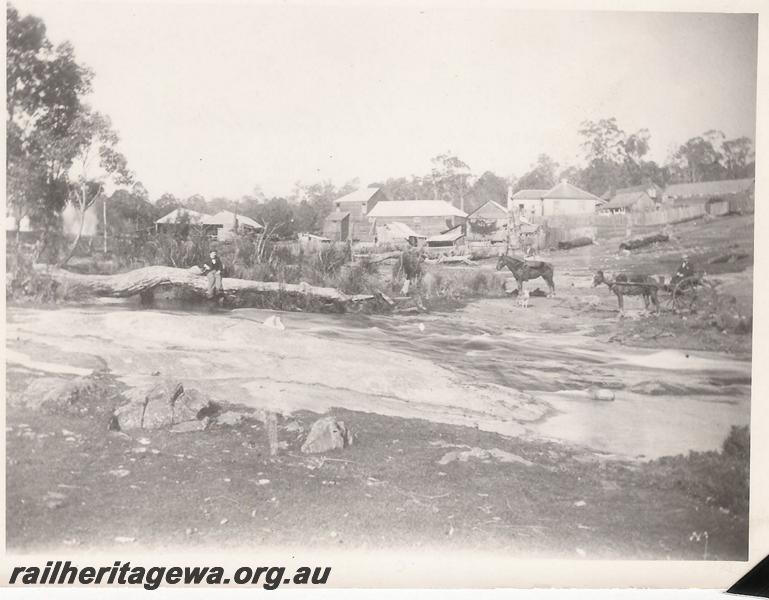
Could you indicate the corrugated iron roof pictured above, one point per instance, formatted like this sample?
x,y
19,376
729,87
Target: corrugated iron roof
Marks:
x,y
178,214
225,217
624,200
567,191
398,229
709,188
337,216
529,194
415,208
452,235
491,204
609,194
361,195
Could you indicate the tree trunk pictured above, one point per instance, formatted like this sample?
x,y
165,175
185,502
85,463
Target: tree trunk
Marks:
x,y
142,281
72,249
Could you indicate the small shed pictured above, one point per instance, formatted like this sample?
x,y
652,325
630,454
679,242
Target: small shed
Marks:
x,y
488,223
358,204
630,201
450,238
399,232
336,227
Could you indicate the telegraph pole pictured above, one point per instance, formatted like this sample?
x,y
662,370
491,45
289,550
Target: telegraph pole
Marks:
x,y
513,226
104,211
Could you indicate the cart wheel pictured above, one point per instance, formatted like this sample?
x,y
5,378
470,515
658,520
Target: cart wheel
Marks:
x,y
684,295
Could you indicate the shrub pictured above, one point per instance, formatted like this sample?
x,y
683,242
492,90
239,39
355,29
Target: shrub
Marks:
x,y
718,478
23,282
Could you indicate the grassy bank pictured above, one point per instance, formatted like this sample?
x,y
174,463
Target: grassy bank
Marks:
x,y
254,258
388,490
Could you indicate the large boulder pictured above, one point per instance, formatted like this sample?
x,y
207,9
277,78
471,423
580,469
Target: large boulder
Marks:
x,y
327,434
163,406
58,395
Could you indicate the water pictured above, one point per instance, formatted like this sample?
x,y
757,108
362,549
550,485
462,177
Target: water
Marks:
x,y
439,367
666,401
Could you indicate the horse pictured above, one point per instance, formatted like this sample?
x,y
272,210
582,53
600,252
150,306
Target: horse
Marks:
x,y
525,270
637,285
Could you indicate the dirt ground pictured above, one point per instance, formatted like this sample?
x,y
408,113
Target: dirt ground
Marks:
x,y
72,483
579,306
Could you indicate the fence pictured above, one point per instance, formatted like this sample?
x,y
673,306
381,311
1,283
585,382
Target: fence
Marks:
x,y
564,228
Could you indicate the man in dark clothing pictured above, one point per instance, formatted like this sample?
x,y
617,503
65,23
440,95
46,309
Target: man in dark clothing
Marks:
x,y
214,269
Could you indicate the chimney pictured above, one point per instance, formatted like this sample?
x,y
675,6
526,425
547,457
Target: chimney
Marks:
x,y
509,198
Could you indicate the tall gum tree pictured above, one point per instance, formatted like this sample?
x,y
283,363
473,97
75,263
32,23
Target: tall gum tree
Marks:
x,y
44,88
96,165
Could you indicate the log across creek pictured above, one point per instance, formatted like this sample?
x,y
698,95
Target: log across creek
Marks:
x,y
145,280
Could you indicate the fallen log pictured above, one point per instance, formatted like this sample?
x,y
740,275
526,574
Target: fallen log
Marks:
x,y
456,260
644,241
377,258
143,281
576,243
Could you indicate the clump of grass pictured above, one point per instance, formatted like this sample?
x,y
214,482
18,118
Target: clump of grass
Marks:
x,y
24,283
462,284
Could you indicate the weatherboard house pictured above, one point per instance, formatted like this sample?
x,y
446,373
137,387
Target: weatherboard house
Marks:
x,y
349,217
718,197
425,217
639,198
222,226
562,199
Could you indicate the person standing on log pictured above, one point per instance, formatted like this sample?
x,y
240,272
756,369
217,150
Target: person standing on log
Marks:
x,y
214,269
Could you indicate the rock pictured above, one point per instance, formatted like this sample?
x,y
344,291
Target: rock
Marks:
x,y
327,434
509,457
231,418
603,395
163,406
293,426
54,394
659,388
274,322
190,426
190,405
159,407
120,473
483,455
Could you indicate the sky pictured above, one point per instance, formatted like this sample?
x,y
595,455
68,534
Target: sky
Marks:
x,y
216,98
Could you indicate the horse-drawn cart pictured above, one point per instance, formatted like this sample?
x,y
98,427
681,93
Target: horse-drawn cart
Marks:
x,y
686,290
690,291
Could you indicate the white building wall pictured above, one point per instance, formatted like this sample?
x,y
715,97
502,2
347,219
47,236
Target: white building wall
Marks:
x,y
531,207
568,206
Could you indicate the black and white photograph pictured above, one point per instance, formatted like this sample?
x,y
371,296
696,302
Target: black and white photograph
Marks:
x,y
429,279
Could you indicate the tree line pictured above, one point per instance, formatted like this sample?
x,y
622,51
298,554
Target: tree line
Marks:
x,y
60,152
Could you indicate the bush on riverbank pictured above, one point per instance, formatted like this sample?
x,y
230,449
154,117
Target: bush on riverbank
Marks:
x,y
260,259
721,478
